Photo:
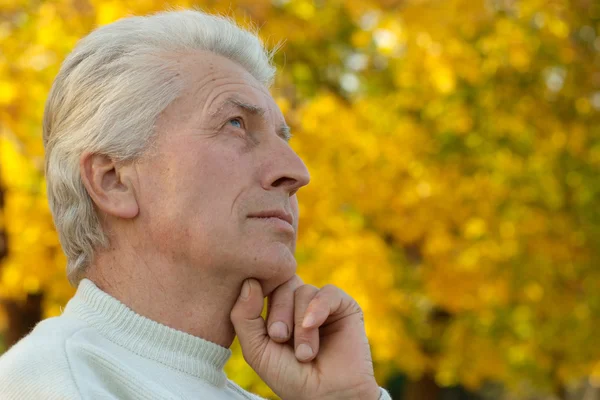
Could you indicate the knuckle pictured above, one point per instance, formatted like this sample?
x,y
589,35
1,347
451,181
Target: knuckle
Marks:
x,y
352,307
285,289
305,290
355,306
334,293
330,292
330,288
296,281
357,309
292,283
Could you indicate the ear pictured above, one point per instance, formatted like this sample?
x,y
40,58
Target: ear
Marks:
x,y
109,185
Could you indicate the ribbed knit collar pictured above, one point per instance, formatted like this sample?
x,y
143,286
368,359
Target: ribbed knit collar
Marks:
x,y
148,338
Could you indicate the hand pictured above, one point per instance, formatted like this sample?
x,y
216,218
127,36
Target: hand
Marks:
x,y
337,362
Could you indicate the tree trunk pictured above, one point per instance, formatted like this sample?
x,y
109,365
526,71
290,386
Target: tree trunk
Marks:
x,y
424,388
22,317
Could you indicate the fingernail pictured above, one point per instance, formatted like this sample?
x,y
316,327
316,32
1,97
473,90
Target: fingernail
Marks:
x,y
245,290
308,321
278,330
303,352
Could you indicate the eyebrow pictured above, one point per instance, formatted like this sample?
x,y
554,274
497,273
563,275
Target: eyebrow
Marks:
x,y
283,131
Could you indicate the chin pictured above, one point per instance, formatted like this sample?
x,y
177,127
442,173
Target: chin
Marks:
x,y
274,270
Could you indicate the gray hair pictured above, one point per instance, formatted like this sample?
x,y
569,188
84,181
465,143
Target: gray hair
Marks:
x,y
107,97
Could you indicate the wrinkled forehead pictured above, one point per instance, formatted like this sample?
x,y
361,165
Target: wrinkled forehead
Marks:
x,y
212,84
204,69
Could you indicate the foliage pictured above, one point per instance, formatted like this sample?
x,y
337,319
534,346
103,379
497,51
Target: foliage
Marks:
x,y
454,152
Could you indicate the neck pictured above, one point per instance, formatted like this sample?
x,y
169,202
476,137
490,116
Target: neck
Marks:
x,y
181,298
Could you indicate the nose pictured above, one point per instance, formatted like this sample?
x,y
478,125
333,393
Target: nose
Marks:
x,y
284,169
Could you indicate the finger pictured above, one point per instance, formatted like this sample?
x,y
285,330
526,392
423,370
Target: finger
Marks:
x,y
248,323
306,340
330,304
281,310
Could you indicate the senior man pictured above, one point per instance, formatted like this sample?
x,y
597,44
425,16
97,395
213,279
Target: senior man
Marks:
x,y
173,189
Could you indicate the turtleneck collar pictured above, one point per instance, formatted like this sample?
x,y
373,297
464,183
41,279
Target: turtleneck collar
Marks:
x,y
148,338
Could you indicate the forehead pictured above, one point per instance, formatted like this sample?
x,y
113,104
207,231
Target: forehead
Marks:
x,y
210,79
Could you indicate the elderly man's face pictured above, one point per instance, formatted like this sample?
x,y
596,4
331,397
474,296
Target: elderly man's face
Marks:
x,y
221,161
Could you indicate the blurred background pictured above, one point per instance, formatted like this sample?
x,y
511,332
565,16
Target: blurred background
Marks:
x,y
454,148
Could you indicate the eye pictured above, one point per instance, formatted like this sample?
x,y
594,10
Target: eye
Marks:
x,y
237,122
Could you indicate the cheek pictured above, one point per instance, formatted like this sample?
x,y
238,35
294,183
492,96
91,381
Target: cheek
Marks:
x,y
208,176
197,183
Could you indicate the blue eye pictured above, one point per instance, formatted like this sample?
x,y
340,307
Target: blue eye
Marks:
x,y
237,122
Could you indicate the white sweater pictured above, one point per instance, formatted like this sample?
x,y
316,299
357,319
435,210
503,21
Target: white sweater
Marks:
x,y
101,349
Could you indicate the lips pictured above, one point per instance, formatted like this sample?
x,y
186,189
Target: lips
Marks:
x,y
274,214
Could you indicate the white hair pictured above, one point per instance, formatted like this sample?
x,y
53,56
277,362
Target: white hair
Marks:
x,y
107,97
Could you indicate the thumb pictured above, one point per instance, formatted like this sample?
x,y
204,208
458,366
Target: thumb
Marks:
x,y
248,323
